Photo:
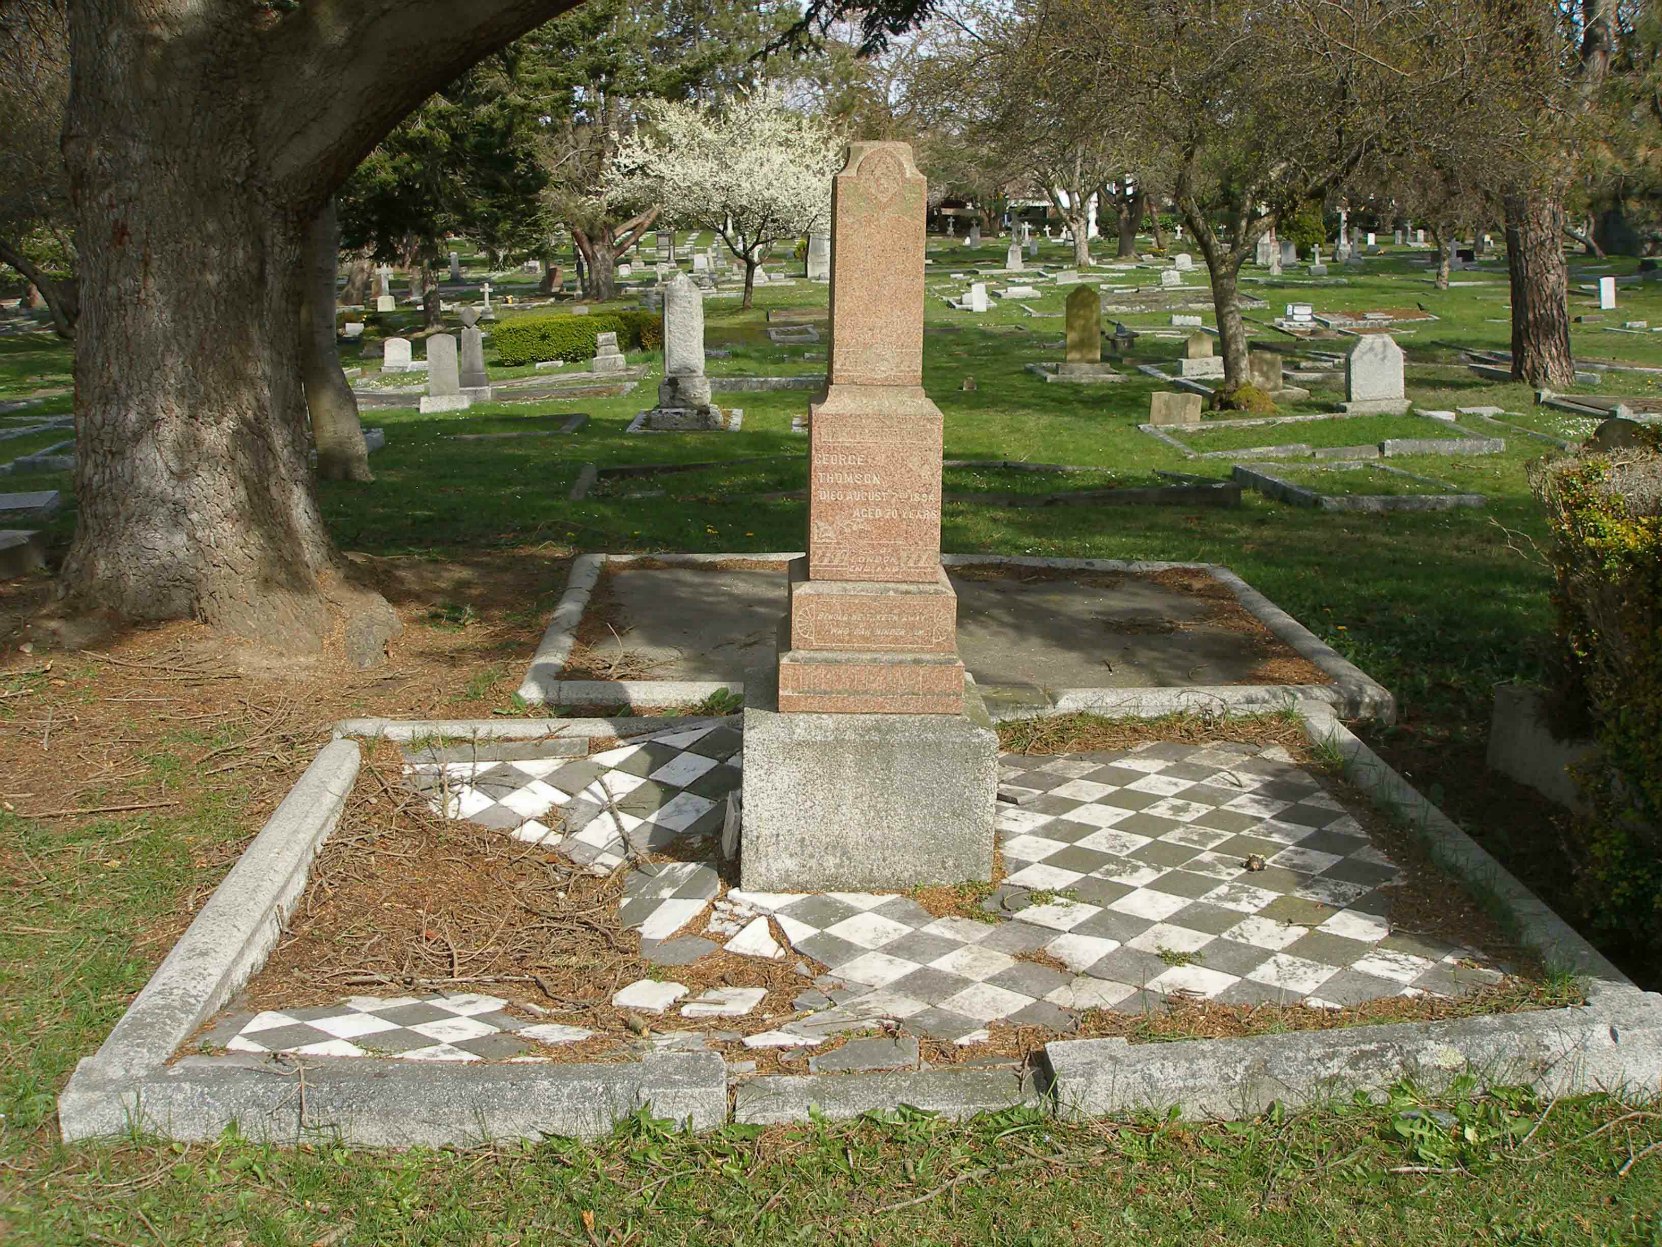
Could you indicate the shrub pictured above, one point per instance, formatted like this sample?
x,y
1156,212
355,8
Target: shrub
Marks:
x,y
1605,513
531,339
1243,397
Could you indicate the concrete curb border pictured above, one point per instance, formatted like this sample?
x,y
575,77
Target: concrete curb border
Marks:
x,y
130,1084
1263,479
1353,692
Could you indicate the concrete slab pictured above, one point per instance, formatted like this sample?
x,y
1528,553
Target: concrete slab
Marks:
x,y
694,623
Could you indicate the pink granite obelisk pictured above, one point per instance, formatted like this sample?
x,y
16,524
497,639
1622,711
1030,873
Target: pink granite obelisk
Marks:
x,y
869,760
873,620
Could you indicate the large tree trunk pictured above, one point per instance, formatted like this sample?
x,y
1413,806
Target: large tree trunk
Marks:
x,y
1232,331
750,266
1154,228
360,277
62,298
1540,290
1080,224
599,264
1130,216
336,430
1443,237
195,499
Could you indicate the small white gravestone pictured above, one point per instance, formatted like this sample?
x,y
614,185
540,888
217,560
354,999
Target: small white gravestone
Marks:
x,y
1012,258
1170,278
1373,376
485,290
1301,314
395,355
1289,251
455,266
976,300
952,227
385,303
626,270
819,256
385,274
1268,249
1032,248
607,357
1373,241
444,380
701,262
1419,237
1607,294
352,330
1183,261
973,238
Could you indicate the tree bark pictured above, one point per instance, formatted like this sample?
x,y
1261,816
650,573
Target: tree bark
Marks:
x,y
599,263
62,298
360,277
336,431
1080,224
1540,289
750,265
1444,238
1154,227
1224,257
1130,216
1232,331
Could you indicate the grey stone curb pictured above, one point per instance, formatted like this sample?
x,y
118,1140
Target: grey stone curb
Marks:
x,y
776,1099
586,477
371,1102
1617,1049
452,730
557,639
1531,921
1354,693
1285,491
748,385
1560,442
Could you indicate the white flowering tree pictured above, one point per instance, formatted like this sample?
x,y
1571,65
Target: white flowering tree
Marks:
x,y
755,171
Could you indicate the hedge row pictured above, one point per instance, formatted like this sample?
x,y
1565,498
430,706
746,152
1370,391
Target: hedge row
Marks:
x,y
1605,512
531,339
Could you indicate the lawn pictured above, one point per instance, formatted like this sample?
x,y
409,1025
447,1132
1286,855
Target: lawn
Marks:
x,y
472,538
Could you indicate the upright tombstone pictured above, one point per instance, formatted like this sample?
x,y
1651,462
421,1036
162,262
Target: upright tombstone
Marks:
x,y
1084,321
819,257
485,293
1198,359
973,238
475,382
1268,249
1607,293
1373,376
444,381
456,266
1168,408
665,244
1170,278
684,393
1317,268
395,355
869,762
1012,258
976,299
607,357
1183,262
1289,251
1264,367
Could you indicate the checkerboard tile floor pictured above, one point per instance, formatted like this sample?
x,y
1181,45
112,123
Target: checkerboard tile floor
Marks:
x,y
459,1027
644,796
1128,870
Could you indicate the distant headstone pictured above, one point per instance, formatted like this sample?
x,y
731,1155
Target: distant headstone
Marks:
x,y
1607,293
455,266
395,355
384,273
607,357
1167,408
1012,258
1084,321
474,381
1373,240
1373,376
1198,359
626,270
1183,262
819,256
444,380
385,303
1289,251
1396,237
976,300
1267,251
684,393
1170,278
952,227
973,238
1419,237
1264,368
665,244
485,292
700,262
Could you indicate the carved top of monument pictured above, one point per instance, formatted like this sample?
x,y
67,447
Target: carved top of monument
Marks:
x,y
878,211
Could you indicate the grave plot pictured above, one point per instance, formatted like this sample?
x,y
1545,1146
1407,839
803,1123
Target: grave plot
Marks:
x,y
1354,487
38,450
1375,320
1011,484
1336,436
1035,633
490,428
475,938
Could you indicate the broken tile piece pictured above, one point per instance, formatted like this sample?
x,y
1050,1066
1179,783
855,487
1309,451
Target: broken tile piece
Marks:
x,y
649,995
780,1039
756,940
723,1002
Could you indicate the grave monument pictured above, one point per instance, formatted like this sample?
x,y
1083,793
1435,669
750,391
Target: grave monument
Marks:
x,y
475,382
684,393
1012,257
444,383
1373,376
1084,342
869,761
819,257
1198,359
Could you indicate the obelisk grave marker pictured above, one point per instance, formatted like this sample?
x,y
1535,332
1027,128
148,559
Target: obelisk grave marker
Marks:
x,y
869,763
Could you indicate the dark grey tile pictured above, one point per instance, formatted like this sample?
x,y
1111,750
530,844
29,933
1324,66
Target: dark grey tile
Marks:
x,y
921,947
1112,925
1017,937
930,985
414,1015
1043,1013
1352,987
1182,883
1161,852
494,1047
1030,979
1212,919
819,911
1328,949
942,1024
1231,957
1129,965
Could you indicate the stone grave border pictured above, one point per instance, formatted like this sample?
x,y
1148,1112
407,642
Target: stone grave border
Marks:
x,y
1352,691
1261,477
1561,442
1186,492
733,421
1391,447
575,423
1610,1043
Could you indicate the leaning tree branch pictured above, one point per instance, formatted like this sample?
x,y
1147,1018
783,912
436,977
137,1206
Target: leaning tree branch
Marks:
x,y
62,297
340,74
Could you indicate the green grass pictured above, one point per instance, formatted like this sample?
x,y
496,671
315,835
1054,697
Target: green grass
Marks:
x,y
1364,479
1437,606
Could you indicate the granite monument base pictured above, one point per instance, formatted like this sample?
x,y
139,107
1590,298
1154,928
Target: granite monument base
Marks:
x,y
864,802
1377,407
